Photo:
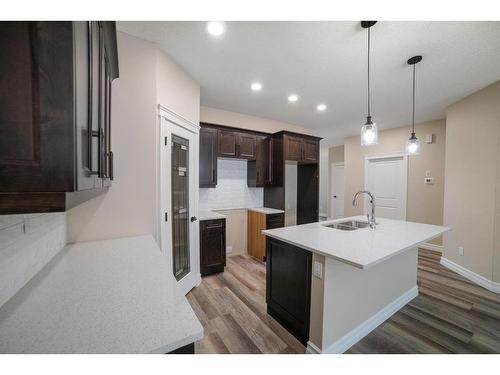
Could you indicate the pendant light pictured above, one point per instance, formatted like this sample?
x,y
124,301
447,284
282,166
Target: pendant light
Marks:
x,y
369,135
413,144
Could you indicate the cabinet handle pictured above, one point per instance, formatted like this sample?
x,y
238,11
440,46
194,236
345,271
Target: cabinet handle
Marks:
x,y
99,135
111,159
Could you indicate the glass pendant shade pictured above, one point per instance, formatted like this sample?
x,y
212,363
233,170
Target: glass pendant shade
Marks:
x,y
413,145
369,134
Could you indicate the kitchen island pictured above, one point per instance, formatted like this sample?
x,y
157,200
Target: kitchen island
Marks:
x,y
331,285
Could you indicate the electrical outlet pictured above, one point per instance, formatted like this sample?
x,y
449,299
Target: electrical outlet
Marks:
x,y
318,270
461,251
229,249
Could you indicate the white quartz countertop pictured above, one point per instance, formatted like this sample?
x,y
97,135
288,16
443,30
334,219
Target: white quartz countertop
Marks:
x,y
114,296
361,248
265,210
210,215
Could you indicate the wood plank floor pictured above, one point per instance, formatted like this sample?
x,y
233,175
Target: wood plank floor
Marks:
x,y
450,315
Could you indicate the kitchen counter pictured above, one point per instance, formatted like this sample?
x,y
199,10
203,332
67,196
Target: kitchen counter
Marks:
x,y
210,215
363,247
114,296
266,210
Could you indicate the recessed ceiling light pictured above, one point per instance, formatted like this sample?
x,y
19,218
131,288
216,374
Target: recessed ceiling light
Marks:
x,y
216,28
321,107
256,86
293,98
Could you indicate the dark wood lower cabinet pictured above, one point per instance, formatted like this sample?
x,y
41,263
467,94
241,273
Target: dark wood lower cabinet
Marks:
x,y
186,349
288,287
212,246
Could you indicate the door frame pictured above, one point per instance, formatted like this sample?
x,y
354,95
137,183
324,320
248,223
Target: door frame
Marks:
x,y
332,167
167,122
396,155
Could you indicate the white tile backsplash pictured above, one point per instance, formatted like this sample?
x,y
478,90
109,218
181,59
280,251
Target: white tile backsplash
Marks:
x,y
27,244
232,190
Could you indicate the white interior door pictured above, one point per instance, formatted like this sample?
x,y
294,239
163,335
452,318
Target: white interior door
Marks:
x,y
337,193
385,178
179,181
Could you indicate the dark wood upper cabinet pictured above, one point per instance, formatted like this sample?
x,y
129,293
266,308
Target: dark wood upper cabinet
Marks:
x,y
212,246
246,146
260,170
310,151
227,141
293,148
208,157
55,124
233,144
301,149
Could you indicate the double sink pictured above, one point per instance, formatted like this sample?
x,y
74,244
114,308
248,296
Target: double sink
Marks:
x,y
348,225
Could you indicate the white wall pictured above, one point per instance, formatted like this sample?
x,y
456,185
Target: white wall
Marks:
x,y
147,78
232,190
471,188
27,244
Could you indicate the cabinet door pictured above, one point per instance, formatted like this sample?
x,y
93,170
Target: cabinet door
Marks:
x,y
226,143
263,161
208,158
37,129
212,246
274,221
288,287
246,146
293,148
310,150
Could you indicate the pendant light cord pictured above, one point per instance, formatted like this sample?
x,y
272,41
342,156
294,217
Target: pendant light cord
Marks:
x,y
369,71
413,116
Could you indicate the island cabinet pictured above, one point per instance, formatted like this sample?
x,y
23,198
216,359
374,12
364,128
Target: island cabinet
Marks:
x,y
212,246
55,105
288,287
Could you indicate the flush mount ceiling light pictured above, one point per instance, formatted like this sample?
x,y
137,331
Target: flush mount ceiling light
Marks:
x,y
369,134
293,98
413,144
216,28
256,86
321,107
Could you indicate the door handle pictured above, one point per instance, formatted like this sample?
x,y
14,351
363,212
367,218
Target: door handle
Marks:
x,y
193,218
335,196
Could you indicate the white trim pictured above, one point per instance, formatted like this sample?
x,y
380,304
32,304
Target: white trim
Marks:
x,y
490,285
431,246
402,155
312,349
178,119
351,338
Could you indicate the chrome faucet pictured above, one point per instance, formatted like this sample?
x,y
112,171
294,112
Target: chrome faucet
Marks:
x,y
371,218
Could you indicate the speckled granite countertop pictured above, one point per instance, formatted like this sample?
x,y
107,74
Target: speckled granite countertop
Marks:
x,y
114,296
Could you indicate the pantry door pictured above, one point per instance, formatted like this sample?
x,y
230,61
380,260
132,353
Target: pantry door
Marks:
x,y
386,179
179,199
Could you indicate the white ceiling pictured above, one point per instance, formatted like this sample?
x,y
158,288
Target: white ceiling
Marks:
x,y
326,62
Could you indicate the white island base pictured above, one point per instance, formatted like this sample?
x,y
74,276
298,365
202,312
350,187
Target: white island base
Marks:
x,y
351,302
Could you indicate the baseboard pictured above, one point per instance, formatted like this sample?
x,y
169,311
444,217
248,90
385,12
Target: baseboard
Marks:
x,y
351,338
312,349
431,246
490,285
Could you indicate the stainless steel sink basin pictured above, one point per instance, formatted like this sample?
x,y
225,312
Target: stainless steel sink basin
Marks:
x,y
348,225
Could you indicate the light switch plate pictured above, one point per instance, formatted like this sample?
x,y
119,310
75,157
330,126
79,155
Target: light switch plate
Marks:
x,y
318,270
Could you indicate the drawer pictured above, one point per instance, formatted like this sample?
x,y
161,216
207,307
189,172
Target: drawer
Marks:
x,y
275,221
